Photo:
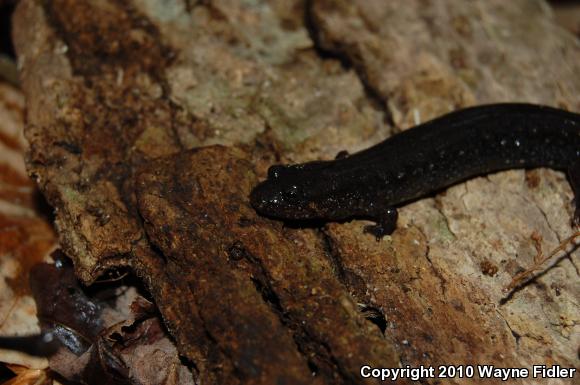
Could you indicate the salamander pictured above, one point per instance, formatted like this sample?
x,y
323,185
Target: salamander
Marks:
x,y
423,160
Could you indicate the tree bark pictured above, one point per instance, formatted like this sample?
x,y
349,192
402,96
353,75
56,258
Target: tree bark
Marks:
x,y
150,122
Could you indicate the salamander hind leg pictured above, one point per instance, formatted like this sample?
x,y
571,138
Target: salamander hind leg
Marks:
x,y
574,177
386,223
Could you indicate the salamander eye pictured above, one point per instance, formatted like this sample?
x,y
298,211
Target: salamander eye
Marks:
x,y
275,171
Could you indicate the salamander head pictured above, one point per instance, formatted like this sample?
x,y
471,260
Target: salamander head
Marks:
x,y
288,193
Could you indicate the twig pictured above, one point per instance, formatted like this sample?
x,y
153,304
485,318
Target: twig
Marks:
x,y
112,279
540,258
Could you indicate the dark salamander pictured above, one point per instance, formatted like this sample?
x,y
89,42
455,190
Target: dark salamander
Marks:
x,y
422,160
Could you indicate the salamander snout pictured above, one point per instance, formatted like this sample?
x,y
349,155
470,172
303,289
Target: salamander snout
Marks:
x,y
279,200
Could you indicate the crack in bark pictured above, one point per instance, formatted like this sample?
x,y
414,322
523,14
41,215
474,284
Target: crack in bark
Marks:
x,y
463,195
322,360
370,311
214,343
533,204
537,206
438,206
514,334
436,272
347,62
333,256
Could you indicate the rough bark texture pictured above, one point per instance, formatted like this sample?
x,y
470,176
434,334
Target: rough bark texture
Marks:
x,y
120,93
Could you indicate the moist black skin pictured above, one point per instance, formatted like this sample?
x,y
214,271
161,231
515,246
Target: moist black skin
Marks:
x,y
422,160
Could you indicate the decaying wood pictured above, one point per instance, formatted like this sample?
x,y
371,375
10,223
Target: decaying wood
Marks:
x,y
122,95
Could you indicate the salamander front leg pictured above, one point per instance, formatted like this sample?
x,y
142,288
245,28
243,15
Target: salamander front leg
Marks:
x,y
574,176
386,223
